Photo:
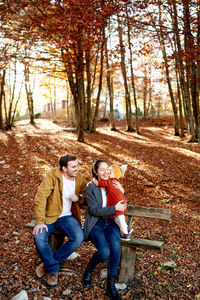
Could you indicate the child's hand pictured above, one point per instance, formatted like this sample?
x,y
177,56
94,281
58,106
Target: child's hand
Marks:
x,y
118,186
95,181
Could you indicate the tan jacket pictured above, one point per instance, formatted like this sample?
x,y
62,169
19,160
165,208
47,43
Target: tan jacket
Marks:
x,y
48,200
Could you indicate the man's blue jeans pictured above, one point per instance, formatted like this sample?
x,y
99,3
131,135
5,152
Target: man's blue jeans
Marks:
x,y
105,235
71,228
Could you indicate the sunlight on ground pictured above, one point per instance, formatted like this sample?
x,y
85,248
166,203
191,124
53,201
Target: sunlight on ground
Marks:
x,y
186,152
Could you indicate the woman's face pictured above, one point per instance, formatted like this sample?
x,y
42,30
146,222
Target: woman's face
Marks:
x,y
103,171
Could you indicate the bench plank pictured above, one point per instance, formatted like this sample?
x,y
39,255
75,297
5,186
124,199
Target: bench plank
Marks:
x,y
142,243
148,212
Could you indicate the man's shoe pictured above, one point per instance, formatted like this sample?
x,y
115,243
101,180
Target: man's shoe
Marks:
x,y
125,237
40,271
52,279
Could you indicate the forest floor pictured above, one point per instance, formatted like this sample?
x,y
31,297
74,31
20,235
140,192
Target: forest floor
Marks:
x,y
163,171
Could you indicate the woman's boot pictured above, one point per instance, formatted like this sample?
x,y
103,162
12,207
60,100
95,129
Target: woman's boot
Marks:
x,y
87,277
111,289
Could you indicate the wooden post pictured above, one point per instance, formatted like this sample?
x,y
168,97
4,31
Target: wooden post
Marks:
x,y
56,240
127,270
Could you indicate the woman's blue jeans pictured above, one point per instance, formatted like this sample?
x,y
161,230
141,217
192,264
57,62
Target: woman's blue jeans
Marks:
x,y
105,235
71,228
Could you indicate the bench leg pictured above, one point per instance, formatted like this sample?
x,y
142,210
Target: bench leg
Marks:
x,y
56,241
127,268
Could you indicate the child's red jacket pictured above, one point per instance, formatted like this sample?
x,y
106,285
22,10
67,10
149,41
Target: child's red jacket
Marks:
x,y
114,195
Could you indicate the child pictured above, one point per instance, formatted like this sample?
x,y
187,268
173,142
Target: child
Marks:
x,y
114,195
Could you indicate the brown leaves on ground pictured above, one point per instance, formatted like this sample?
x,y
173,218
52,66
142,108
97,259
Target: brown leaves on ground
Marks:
x,y
163,171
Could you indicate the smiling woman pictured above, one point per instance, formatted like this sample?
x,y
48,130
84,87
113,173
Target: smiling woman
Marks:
x,y
99,229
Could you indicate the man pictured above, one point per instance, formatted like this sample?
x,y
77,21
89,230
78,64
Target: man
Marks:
x,y
57,205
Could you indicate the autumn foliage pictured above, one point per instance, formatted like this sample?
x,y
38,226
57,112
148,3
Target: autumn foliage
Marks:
x,y
163,171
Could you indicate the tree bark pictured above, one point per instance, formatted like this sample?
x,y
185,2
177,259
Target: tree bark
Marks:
x,y
190,76
110,90
29,94
129,126
94,121
2,95
80,92
184,86
145,82
162,43
132,77
88,90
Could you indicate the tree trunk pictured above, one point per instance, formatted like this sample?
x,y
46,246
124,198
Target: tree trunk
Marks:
x,y
184,87
110,90
150,95
54,105
132,77
94,121
68,63
68,98
88,91
129,126
179,103
29,94
2,95
162,43
145,81
16,103
188,41
80,92
198,68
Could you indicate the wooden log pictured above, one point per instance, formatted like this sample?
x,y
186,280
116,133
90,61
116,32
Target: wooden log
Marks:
x,y
127,265
142,243
148,212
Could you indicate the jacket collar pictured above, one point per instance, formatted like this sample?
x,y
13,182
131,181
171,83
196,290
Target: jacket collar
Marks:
x,y
58,173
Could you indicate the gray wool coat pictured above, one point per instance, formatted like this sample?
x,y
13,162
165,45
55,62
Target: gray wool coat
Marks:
x,y
95,209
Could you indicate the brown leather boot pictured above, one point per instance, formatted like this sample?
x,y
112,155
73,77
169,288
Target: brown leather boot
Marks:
x,y
40,271
52,279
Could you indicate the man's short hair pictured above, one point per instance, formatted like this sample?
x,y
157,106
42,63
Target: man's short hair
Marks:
x,y
63,162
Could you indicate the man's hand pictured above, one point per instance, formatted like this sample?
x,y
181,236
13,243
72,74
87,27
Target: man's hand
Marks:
x,y
39,227
95,181
74,198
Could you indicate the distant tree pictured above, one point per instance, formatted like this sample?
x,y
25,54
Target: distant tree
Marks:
x,y
129,125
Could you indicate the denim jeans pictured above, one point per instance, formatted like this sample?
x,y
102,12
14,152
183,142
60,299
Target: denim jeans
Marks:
x,y
105,235
71,228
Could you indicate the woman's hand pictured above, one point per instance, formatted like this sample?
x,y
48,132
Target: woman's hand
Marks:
x,y
118,186
120,207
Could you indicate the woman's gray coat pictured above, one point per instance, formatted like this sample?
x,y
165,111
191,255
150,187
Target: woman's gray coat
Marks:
x,y
95,209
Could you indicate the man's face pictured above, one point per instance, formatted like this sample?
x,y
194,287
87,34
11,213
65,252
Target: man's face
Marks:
x,y
71,170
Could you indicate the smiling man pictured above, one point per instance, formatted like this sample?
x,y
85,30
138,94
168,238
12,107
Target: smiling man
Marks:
x,y
57,206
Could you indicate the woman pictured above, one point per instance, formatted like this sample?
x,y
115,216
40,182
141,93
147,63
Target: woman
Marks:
x,y
103,232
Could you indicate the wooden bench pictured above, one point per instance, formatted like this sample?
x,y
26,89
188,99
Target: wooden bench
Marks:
x,y
128,252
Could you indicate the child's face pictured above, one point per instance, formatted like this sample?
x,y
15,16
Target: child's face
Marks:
x,y
111,172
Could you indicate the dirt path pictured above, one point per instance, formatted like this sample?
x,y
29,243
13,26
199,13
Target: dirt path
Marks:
x,y
163,171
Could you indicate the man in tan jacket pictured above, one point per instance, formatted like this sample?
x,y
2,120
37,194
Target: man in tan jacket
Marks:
x,y
57,206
